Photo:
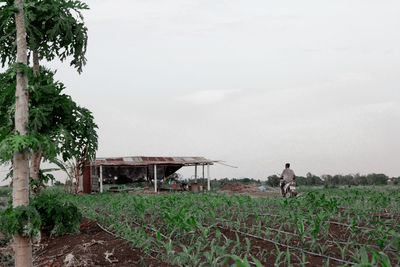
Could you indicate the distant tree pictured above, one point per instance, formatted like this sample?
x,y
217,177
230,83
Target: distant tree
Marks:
x,y
336,179
363,180
377,179
246,180
357,179
326,177
273,180
312,179
301,180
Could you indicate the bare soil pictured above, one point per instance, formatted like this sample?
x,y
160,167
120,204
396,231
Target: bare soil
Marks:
x,y
91,247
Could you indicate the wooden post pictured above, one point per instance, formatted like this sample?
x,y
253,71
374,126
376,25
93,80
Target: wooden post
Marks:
x,y
195,173
208,178
155,178
101,178
202,177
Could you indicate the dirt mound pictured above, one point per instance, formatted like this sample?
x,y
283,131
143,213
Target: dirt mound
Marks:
x,y
239,188
233,188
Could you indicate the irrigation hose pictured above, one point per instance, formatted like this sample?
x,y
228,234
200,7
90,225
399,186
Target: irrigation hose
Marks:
x,y
319,239
328,221
290,247
118,236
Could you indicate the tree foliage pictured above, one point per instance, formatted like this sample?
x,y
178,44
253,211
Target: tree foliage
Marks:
x,y
45,213
334,180
273,180
357,179
310,179
57,125
55,28
57,217
24,220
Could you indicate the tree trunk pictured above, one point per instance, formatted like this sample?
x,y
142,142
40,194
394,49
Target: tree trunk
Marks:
x,y
22,245
36,156
36,65
80,166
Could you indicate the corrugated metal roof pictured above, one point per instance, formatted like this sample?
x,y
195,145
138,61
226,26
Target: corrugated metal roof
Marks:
x,y
145,161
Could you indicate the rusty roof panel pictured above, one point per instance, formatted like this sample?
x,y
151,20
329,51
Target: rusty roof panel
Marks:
x,y
114,159
144,161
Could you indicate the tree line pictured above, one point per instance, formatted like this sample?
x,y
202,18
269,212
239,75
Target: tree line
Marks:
x,y
339,179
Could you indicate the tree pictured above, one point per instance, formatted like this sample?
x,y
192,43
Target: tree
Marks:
x,y
377,179
79,141
22,245
312,179
50,34
300,180
55,29
58,125
273,180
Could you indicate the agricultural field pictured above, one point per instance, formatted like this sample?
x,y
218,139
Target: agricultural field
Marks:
x,y
357,226
322,227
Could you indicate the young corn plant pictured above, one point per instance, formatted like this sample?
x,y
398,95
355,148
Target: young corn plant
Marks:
x,y
279,255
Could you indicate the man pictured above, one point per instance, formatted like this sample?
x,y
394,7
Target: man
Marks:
x,y
286,177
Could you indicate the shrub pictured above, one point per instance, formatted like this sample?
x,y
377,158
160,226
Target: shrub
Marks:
x,y
57,217
46,212
23,219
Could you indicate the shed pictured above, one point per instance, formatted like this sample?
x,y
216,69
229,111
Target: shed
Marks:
x,y
121,170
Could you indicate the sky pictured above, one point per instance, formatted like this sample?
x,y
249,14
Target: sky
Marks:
x,y
254,83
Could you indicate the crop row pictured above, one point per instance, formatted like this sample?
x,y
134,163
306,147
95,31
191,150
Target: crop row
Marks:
x,y
196,229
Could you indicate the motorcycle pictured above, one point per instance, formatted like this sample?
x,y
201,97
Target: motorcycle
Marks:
x,y
290,189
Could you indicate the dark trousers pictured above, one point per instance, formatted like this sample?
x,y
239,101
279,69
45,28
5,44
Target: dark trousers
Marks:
x,y
283,188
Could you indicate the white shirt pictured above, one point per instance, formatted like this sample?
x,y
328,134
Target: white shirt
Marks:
x,y
288,175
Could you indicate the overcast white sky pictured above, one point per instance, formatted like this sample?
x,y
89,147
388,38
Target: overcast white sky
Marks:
x,y
253,82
